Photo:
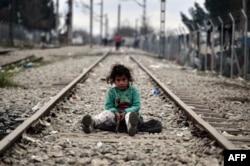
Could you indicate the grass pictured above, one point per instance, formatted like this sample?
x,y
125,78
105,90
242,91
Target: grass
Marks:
x,y
43,63
5,43
8,72
5,80
16,44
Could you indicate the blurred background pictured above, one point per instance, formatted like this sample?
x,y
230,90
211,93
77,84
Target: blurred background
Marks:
x,y
203,34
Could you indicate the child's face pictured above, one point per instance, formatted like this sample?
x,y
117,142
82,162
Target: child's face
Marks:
x,y
121,82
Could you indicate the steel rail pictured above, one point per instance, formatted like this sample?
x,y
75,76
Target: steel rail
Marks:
x,y
5,51
15,134
224,142
16,62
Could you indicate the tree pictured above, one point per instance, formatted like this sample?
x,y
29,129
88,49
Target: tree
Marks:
x,y
188,22
36,14
223,7
4,4
146,29
198,16
5,11
42,17
127,31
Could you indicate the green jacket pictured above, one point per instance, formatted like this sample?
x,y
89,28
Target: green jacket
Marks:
x,y
127,100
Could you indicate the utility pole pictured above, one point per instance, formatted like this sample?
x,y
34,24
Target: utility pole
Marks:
x,y
162,32
70,21
57,21
244,5
91,24
101,23
136,26
119,18
106,25
144,18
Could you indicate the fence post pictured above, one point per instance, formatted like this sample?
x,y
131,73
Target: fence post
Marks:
x,y
245,45
212,46
169,45
198,40
221,44
1,29
166,45
172,55
175,46
232,44
184,42
205,63
6,31
178,33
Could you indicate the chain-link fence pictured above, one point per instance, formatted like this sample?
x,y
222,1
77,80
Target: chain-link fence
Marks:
x,y
27,23
21,36
220,45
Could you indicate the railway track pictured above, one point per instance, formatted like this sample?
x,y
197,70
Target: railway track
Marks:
x,y
21,61
218,118
5,51
48,139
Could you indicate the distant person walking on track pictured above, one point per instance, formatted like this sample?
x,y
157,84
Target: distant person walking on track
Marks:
x,y
122,104
117,40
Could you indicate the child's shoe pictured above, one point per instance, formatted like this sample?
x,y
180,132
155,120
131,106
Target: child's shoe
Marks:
x,y
133,122
88,123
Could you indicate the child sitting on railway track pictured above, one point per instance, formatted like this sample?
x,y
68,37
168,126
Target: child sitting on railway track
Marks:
x,y
122,105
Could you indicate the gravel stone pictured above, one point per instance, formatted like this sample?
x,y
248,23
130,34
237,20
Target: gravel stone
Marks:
x,y
69,145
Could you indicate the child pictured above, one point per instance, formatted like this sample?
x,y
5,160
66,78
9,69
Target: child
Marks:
x,y
122,102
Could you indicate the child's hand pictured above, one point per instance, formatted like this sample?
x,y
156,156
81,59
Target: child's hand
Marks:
x,y
120,116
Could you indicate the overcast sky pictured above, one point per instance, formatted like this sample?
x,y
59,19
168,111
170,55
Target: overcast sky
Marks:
x,y
130,11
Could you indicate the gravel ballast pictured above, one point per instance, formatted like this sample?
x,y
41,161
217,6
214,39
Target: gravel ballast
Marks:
x,y
229,97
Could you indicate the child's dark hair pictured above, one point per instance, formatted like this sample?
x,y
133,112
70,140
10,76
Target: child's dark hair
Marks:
x,y
119,70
